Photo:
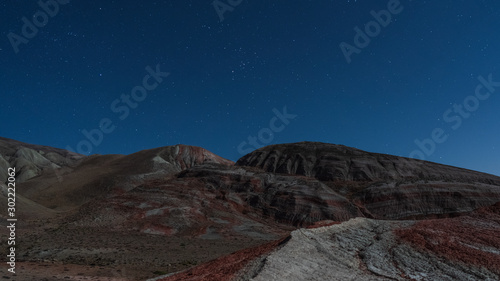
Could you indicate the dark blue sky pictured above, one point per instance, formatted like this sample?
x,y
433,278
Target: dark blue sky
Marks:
x,y
232,73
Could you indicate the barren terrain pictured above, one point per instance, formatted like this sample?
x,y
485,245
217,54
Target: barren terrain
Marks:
x,y
298,211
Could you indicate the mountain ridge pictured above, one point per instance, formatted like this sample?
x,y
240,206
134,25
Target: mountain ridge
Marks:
x,y
186,193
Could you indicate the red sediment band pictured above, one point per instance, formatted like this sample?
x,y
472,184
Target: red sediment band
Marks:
x,y
225,268
468,239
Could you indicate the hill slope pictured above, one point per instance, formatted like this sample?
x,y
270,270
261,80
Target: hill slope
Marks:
x,y
203,206
384,186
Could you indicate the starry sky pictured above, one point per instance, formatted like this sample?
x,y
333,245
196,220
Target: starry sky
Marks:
x,y
408,78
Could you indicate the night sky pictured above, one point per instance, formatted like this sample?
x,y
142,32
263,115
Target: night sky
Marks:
x,y
231,76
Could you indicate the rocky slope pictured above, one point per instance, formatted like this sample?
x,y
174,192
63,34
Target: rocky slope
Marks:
x,y
330,162
100,176
183,195
27,208
33,160
215,201
385,186
461,248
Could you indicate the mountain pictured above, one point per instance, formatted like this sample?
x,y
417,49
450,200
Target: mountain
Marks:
x,y
32,160
330,162
383,186
167,209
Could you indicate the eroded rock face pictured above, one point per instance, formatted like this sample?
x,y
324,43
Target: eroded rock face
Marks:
x,y
330,162
385,186
215,201
170,159
423,199
98,176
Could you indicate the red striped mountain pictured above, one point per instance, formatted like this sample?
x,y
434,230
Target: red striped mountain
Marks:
x,y
383,186
186,193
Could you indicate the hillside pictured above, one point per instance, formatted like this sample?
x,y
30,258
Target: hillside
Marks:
x,y
184,206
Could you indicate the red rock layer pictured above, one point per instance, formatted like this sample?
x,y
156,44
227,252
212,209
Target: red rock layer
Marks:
x,y
330,162
472,239
225,268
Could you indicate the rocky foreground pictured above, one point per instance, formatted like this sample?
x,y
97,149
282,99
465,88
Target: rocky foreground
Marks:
x,y
302,211
461,248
